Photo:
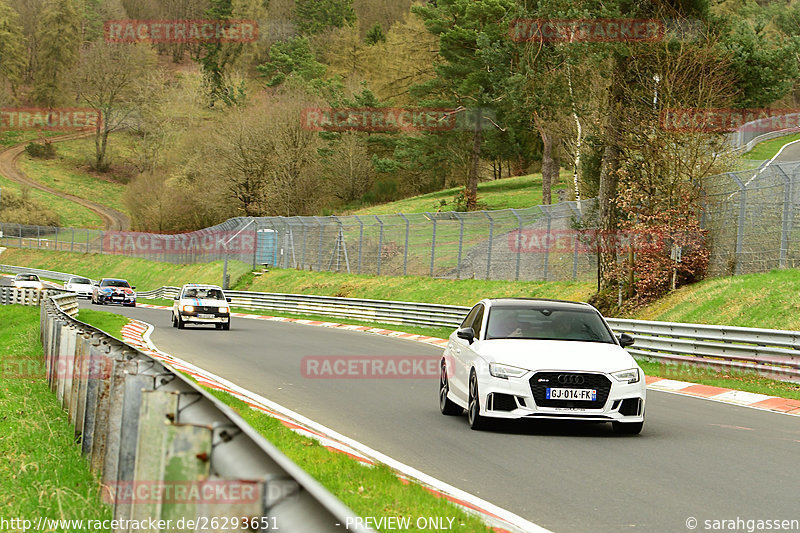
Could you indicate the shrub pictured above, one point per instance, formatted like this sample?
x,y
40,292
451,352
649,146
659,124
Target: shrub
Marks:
x,y
45,150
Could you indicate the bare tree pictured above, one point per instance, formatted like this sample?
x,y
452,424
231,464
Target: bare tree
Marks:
x,y
106,79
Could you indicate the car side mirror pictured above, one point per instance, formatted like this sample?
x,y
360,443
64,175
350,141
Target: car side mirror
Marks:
x,y
177,297
133,286
228,300
625,340
467,334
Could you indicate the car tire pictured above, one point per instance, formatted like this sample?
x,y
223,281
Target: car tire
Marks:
x,y
226,326
446,406
627,428
174,322
181,323
474,417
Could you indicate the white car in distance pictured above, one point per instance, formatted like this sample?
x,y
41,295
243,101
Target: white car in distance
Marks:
x,y
531,359
80,286
28,281
201,304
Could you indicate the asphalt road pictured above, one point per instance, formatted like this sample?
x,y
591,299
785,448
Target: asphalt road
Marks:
x,y
695,458
790,153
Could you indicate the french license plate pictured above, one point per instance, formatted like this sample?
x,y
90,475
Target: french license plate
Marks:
x,y
572,394
205,316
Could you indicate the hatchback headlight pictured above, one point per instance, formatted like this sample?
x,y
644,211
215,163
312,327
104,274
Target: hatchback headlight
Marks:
x,y
505,371
188,308
627,376
223,309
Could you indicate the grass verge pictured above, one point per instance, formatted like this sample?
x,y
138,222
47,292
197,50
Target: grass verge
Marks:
x,y
109,322
145,275
768,149
507,193
68,172
367,491
43,472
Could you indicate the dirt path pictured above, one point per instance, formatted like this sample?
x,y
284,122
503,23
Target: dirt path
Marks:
x,y
112,219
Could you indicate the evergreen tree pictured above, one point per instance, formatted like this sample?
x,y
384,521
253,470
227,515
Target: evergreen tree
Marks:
x,y
59,38
315,16
12,46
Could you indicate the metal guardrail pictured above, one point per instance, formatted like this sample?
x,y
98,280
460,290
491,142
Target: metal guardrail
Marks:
x,y
771,353
152,435
13,295
390,312
49,274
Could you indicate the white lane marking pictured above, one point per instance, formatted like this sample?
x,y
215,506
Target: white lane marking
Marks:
x,y
741,397
485,509
670,385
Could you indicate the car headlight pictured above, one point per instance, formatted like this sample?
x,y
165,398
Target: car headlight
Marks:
x,y
223,309
505,371
628,376
188,308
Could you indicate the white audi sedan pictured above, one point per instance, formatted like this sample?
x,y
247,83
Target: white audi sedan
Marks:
x,y
528,358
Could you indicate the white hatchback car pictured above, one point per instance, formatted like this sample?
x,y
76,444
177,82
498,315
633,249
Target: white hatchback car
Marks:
x,y
201,304
80,286
28,281
527,358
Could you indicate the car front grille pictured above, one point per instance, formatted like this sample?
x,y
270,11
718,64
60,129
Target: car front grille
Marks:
x,y
205,309
541,381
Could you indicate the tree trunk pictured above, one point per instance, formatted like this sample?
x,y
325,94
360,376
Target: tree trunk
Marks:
x,y
471,192
609,172
547,165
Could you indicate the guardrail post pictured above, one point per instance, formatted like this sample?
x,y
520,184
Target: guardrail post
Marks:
x,y
90,368
380,243
405,247
433,240
116,396
134,385
303,257
519,243
491,239
158,409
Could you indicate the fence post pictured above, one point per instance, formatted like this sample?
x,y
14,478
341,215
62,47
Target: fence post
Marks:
x,y
319,252
20,235
546,210
491,238
786,216
360,240
303,256
405,248
87,241
740,223
460,243
380,242
579,217
433,240
519,243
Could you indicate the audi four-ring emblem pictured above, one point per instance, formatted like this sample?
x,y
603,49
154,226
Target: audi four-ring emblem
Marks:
x,y
570,379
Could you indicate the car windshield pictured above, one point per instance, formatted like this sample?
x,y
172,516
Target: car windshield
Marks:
x,y
28,277
114,283
80,281
210,294
520,322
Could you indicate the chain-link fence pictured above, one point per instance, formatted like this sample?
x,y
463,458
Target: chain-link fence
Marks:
x,y
537,243
750,216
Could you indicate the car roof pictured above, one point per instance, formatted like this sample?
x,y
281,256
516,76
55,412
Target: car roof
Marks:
x,y
200,286
114,279
538,303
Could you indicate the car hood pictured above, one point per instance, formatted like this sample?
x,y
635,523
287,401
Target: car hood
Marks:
x,y
555,355
28,284
206,302
126,290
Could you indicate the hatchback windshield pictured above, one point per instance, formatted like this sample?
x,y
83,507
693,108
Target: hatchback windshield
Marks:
x,y
114,283
27,277
80,281
550,324
210,294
